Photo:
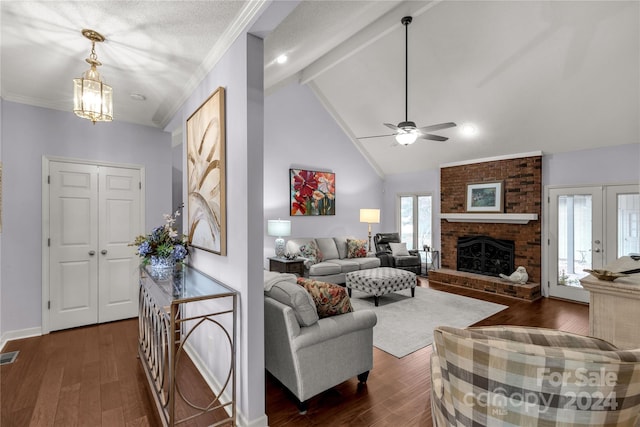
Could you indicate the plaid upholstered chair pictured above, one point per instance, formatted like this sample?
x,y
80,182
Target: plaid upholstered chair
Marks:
x,y
520,376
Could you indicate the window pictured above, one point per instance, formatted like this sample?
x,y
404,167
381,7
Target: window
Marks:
x,y
415,215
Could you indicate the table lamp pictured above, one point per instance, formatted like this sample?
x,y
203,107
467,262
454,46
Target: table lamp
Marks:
x,y
279,228
370,216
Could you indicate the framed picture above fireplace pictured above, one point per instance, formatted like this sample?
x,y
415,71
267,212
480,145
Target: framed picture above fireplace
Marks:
x,y
485,197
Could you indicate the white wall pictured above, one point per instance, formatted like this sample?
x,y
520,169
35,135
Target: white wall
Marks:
x,y
28,134
240,72
300,133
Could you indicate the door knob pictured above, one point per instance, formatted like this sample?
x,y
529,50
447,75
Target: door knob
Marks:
x,y
597,242
92,253
596,250
103,252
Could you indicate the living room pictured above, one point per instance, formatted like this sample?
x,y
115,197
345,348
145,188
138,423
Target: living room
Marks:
x,y
298,132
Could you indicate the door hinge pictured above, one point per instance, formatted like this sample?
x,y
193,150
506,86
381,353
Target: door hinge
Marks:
x,y
48,179
548,199
140,185
548,285
49,242
548,242
48,305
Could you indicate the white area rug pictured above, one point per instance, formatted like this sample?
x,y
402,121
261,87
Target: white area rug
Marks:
x,y
406,324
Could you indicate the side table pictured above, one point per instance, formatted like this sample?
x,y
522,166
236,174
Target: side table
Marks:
x,y
283,265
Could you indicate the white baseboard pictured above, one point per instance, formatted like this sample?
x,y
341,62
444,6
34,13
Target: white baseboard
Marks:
x,y
214,384
19,334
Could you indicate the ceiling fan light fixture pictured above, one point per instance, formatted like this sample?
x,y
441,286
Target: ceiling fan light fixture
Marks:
x,y
406,138
468,129
92,97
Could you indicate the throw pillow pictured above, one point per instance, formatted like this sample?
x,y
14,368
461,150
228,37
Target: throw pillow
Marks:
x,y
399,249
356,248
311,251
289,293
330,299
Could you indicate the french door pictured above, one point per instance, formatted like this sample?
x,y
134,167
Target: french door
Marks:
x,y
94,212
589,227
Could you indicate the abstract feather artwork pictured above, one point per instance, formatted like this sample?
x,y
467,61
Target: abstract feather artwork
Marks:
x,y
206,175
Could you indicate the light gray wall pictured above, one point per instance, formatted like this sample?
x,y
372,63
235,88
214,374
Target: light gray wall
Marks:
x,y
28,134
610,165
240,72
300,133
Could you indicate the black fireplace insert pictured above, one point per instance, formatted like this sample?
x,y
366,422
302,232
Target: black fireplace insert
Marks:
x,y
486,255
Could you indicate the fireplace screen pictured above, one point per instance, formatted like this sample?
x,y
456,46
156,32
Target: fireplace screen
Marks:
x,y
486,255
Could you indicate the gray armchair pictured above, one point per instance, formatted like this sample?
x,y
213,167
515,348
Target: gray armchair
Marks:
x,y
409,262
307,355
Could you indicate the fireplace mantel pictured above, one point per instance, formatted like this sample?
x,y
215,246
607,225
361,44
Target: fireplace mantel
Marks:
x,y
495,218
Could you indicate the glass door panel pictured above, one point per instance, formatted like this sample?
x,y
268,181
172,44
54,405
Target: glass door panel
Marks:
x,y
623,221
575,239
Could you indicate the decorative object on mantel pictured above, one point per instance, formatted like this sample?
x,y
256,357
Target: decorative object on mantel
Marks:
x,y
163,247
206,180
92,98
485,197
312,192
279,228
370,216
519,276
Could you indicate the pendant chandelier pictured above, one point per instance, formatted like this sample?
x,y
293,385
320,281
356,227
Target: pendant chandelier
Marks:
x,y
92,98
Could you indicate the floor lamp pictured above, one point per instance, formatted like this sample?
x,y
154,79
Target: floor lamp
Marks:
x,y
370,216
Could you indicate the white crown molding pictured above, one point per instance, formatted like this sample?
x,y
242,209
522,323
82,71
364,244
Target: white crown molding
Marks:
x,y
492,159
244,18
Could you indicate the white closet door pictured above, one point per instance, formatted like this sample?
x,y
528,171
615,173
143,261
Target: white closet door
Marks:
x,y
73,275
119,212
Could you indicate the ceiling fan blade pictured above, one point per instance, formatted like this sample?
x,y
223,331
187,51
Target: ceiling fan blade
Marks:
x,y
433,137
390,126
438,127
376,136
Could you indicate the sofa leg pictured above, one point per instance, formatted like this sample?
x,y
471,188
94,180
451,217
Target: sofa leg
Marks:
x,y
413,292
363,377
303,406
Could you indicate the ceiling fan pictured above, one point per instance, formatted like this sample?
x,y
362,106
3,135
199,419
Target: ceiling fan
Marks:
x,y
407,132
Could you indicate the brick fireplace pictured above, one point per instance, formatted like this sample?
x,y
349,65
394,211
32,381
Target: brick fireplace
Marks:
x,y
522,184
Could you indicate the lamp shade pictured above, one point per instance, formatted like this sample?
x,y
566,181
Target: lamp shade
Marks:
x,y
278,227
371,216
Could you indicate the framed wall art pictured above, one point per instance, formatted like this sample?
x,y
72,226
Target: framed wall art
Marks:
x,y
312,192
485,197
206,175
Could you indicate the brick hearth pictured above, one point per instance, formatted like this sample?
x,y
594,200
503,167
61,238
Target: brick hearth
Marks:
x,y
528,292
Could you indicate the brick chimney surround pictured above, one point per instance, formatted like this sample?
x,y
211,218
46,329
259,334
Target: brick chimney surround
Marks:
x,y
521,176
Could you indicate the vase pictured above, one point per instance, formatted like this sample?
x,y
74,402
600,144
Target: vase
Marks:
x,y
162,267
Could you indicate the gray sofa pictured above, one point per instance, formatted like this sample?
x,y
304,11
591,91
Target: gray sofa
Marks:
x,y
335,264
310,355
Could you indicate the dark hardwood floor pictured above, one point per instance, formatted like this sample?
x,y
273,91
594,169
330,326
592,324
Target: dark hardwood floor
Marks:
x,y
90,376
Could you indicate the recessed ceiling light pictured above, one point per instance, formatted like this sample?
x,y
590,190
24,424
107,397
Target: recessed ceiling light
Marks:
x,y
281,59
138,97
468,129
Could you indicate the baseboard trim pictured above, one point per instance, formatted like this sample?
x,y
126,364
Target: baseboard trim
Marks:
x,y
214,384
19,334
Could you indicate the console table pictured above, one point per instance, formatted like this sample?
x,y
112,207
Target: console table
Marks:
x,y
613,310
167,319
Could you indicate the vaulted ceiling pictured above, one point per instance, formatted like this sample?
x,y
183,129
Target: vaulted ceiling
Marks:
x,y
554,76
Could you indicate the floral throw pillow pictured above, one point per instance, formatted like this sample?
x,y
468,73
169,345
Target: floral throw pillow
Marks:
x,y
330,299
311,251
356,248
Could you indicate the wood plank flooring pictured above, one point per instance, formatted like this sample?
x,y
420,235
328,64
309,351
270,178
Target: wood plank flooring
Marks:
x,y
91,376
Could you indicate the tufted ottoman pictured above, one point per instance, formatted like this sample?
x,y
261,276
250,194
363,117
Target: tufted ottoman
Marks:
x,y
380,281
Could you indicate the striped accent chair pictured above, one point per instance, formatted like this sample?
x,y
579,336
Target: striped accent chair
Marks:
x,y
521,376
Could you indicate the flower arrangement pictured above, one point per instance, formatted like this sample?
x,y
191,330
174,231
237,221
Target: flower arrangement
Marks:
x,y
163,242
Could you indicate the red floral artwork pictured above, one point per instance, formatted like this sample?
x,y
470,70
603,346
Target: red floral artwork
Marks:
x,y
312,192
